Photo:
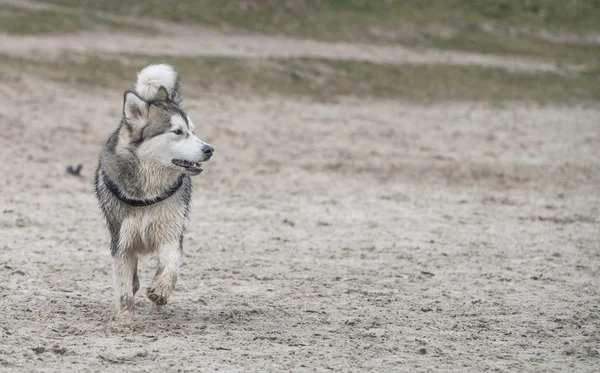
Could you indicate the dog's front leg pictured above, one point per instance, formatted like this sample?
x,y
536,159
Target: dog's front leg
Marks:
x,y
169,259
124,268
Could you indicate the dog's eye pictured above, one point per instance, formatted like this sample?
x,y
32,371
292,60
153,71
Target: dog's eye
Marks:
x,y
178,132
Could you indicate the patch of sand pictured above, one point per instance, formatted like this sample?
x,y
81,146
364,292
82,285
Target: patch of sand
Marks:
x,y
363,236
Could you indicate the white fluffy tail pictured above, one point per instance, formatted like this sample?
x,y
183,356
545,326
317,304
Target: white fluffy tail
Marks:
x,y
152,77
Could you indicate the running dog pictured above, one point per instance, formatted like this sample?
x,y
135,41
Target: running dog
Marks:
x,y
143,184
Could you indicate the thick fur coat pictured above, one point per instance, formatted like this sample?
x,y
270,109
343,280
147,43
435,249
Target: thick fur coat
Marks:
x,y
143,184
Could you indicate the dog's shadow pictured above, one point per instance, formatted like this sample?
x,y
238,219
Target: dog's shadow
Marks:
x,y
183,314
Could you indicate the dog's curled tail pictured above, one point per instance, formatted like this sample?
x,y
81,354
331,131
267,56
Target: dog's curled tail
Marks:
x,y
152,77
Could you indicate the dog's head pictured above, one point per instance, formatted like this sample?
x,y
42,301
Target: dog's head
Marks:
x,y
159,132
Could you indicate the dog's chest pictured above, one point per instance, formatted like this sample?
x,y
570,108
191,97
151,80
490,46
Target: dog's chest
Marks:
x,y
148,227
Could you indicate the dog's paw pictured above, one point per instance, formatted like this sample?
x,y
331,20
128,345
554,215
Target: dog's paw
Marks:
x,y
161,288
124,316
124,319
156,297
124,308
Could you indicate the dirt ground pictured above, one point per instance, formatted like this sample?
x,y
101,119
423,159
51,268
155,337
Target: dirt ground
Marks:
x,y
354,236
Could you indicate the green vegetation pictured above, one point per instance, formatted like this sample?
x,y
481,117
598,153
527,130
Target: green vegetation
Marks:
x,y
303,15
499,44
24,21
447,24
501,27
323,80
16,20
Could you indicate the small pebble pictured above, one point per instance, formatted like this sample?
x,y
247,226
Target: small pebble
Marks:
x,y
570,351
39,350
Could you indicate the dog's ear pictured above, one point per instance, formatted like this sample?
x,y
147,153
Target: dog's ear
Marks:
x,y
135,110
162,94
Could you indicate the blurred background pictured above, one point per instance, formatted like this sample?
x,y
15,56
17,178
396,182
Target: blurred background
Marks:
x,y
542,50
396,186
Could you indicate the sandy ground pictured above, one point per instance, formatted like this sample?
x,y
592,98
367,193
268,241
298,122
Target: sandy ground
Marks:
x,y
356,236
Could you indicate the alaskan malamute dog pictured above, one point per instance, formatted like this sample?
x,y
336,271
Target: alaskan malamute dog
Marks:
x,y
143,184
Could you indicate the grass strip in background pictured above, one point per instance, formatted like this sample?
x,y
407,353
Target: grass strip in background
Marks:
x,y
446,24
17,20
326,80
334,16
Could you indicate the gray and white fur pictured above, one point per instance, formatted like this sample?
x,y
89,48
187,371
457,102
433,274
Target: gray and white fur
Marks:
x,y
143,184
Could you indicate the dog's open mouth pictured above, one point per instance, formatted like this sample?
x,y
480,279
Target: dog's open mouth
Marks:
x,y
191,167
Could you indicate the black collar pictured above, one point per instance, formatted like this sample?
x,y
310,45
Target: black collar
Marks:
x,y
141,202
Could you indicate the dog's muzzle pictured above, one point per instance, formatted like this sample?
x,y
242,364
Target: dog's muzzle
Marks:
x,y
195,168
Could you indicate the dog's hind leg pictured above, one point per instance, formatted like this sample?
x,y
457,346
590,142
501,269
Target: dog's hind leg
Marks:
x,y
136,279
169,259
124,269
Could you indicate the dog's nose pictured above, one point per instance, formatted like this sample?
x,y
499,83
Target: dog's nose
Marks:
x,y
208,150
